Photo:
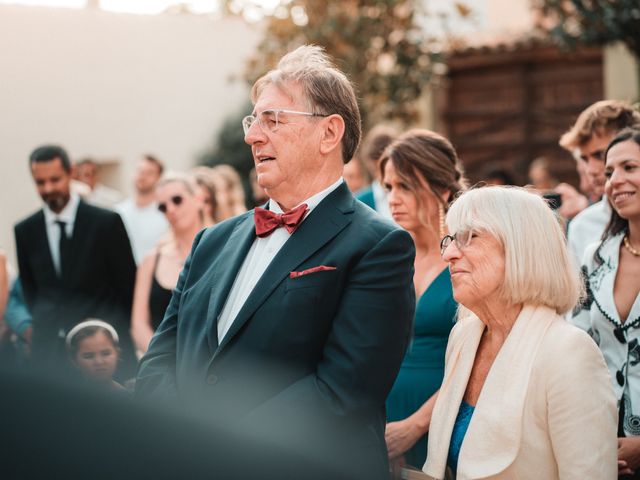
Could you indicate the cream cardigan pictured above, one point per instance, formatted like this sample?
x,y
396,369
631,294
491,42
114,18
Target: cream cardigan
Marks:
x,y
546,410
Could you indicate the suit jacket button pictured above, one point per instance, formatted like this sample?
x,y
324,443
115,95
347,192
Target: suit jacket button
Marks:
x,y
212,379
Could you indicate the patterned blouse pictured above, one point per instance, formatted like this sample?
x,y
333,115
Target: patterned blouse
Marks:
x,y
619,342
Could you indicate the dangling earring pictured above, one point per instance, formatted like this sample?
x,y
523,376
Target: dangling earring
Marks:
x,y
441,215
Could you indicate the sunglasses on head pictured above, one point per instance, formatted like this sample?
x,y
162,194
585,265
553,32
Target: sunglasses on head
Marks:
x,y
176,200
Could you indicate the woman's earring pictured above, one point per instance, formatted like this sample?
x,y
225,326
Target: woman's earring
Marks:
x,y
441,215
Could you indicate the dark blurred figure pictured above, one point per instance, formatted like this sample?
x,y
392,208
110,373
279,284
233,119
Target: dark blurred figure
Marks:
x,y
540,175
374,143
5,332
144,223
87,172
53,428
497,175
75,262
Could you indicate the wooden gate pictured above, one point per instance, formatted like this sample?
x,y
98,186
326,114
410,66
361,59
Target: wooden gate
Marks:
x,y
507,107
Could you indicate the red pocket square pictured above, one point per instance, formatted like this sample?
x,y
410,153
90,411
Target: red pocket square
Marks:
x,y
321,268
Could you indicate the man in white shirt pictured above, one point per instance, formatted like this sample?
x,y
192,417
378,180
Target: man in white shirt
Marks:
x,y
145,224
291,322
100,195
75,262
590,135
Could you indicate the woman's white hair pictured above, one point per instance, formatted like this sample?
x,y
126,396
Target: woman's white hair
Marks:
x,y
538,267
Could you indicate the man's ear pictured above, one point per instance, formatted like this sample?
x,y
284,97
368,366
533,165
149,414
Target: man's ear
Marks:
x,y
332,134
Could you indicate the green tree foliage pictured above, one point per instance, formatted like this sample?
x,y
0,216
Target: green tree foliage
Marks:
x,y
378,43
592,22
230,147
381,44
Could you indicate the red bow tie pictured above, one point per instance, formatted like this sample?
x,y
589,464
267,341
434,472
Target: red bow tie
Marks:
x,y
267,221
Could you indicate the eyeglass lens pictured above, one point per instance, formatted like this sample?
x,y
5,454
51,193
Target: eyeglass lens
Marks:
x,y
462,239
268,120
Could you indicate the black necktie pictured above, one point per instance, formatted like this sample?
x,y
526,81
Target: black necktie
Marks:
x,y
63,246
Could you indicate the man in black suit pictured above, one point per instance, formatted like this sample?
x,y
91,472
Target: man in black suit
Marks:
x,y
75,262
291,322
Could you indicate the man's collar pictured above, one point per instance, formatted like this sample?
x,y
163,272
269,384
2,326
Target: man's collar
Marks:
x,y
68,213
312,202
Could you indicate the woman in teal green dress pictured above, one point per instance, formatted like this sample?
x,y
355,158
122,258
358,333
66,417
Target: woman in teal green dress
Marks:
x,y
422,174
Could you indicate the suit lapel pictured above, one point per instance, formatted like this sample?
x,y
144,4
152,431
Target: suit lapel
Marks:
x,y
225,271
322,224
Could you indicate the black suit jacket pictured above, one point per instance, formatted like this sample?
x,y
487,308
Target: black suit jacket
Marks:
x,y
309,359
98,280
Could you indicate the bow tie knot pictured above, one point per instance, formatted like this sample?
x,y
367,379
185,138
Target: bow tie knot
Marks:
x,y
267,221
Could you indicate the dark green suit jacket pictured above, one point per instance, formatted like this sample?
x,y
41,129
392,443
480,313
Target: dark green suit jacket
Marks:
x,y
309,359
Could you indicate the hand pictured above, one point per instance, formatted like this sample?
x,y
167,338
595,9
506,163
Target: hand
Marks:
x,y
628,455
26,335
573,202
401,436
395,468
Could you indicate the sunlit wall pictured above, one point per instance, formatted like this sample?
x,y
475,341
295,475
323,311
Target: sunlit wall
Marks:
x,y
111,86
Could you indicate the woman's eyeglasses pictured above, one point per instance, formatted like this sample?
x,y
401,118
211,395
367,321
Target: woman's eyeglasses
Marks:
x,y
176,200
462,238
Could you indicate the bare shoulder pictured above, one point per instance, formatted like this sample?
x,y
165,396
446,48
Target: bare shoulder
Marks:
x,y
149,259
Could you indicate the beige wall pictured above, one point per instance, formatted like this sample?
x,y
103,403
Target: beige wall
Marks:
x,y
111,86
621,71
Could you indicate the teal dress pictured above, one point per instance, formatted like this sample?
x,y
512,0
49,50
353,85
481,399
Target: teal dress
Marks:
x,y
422,369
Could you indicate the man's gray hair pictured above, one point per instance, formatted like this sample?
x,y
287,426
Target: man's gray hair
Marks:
x,y
326,88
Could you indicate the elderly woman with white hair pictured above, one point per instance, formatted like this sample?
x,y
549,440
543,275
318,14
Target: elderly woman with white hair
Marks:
x,y
525,394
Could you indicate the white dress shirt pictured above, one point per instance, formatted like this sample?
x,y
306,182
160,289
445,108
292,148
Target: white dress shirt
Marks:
x,y
260,255
587,227
68,216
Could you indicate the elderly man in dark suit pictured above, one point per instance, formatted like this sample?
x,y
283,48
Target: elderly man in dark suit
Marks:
x,y
75,262
291,321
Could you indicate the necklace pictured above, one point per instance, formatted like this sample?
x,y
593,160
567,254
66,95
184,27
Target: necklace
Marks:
x,y
629,247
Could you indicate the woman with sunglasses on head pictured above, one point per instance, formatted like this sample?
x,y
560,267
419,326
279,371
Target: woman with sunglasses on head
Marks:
x,y
611,313
421,173
179,201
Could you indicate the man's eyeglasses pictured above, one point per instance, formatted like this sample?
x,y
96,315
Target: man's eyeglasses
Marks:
x,y
176,200
269,120
461,237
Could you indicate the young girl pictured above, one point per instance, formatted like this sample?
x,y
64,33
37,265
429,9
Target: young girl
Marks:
x,y
93,349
